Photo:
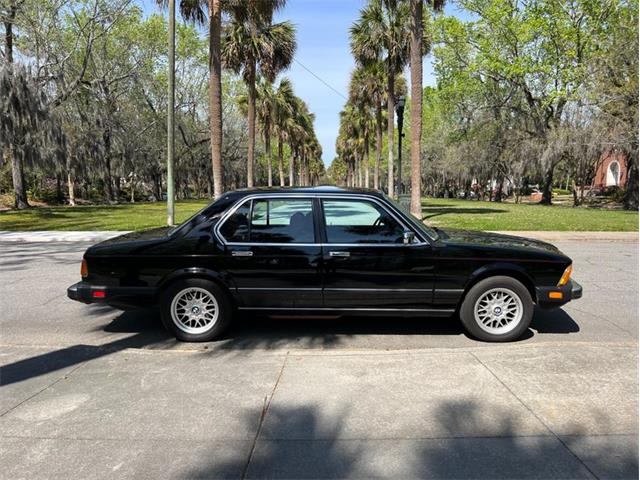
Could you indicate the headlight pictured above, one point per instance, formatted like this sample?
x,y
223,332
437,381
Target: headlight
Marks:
x,y
84,270
564,279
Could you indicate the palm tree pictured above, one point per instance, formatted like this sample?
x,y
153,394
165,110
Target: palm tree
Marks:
x,y
284,102
419,47
349,144
305,120
253,44
381,34
367,85
194,10
366,94
297,127
265,109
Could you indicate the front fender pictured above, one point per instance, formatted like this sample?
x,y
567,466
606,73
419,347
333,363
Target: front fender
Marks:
x,y
502,268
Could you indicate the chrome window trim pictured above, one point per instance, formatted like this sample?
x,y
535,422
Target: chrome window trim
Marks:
x,y
418,235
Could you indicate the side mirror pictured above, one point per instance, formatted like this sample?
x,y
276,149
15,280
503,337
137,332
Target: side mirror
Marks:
x,y
408,237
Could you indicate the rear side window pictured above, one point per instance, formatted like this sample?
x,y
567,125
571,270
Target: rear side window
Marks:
x,y
360,221
271,221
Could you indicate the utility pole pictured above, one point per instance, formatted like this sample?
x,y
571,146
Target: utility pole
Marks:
x,y
170,112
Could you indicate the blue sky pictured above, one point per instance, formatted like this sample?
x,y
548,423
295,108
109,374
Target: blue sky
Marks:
x,y
323,47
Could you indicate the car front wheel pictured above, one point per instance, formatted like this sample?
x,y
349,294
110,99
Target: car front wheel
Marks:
x,y
497,309
195,310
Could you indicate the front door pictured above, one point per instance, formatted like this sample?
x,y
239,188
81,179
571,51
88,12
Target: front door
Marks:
x,y
367,265
273,256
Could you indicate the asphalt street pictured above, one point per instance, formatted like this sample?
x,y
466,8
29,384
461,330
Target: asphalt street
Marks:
x,y
90,392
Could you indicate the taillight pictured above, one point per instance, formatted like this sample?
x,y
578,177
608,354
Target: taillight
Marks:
x,y
565,276
84,270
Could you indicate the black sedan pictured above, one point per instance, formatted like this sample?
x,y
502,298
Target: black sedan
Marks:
x,y
319,251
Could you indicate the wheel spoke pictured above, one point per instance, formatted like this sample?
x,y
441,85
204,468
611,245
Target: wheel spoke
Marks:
x,y
194,310
498,310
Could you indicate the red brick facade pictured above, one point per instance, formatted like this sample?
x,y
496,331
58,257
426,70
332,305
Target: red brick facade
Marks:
x,y
611,170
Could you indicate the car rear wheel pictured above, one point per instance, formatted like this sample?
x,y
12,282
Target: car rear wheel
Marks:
x,y
497,309
195,310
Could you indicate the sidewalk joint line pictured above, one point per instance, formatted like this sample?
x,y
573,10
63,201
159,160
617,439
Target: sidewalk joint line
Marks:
x,y
65,376
265,408
571,452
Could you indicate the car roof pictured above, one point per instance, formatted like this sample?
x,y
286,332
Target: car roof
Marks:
x,y
311,190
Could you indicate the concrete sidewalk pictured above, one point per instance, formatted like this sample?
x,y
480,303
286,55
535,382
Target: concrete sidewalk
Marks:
x,y
516,411
97,236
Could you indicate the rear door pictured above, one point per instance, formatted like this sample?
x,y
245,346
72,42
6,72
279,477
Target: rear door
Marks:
x,y
367,265
272,253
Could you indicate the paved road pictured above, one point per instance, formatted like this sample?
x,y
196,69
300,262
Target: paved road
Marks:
x,y
88,392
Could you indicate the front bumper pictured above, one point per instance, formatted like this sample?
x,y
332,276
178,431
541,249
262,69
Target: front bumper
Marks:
x,y
571,291
119,297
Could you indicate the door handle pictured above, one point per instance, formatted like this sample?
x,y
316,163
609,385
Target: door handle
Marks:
x,y
339,254
241,253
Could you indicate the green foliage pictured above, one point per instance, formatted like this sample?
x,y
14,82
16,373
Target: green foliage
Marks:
x,y
525,93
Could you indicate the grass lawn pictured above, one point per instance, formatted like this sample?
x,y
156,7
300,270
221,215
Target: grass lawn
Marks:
x,y
129,216
440,212
474,215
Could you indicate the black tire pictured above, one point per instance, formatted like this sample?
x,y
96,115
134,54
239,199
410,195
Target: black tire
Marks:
x,y
468,318
225,310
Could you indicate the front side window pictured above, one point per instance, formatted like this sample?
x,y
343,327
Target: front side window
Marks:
x,y
360,221
271,221
236,227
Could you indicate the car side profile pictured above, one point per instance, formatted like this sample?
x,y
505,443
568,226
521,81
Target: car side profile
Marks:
x,y
324,250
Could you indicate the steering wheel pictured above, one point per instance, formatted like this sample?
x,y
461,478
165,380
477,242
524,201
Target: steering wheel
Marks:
x,y
378,222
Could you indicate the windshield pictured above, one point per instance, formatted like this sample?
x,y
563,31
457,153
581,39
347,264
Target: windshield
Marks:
x,y
188,221
430,232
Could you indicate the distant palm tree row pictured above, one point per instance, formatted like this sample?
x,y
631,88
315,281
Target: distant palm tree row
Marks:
x,y
388,35
258,49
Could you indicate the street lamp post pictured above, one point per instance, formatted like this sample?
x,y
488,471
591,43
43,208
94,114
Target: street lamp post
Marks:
x,y
400,115
170,112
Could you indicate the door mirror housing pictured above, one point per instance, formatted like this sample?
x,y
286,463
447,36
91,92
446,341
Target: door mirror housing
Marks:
x,y
408,237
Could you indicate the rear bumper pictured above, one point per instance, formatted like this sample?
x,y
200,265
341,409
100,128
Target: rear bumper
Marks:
x,y
571,291
119,297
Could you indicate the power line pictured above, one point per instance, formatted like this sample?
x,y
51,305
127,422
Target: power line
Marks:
x,y
308,70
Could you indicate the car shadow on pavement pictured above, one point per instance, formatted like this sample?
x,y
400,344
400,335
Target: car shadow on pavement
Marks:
x,y
553,321
466,439
258,332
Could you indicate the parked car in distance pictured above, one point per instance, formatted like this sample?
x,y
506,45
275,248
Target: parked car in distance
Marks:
x,y
324,250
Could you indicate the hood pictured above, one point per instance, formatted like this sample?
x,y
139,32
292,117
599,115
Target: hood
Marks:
x,y
143,235
495,240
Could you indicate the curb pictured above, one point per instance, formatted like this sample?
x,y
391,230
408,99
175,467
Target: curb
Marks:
x,y
57,236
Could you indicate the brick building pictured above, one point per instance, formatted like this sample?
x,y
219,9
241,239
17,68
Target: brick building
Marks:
x,y
611,170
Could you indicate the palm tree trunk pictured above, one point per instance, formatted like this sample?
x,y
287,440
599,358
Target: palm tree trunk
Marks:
x,y
215,94
280,166
390,118
366,163
416,105
376,173
251,117
267,147
292,169
301,167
